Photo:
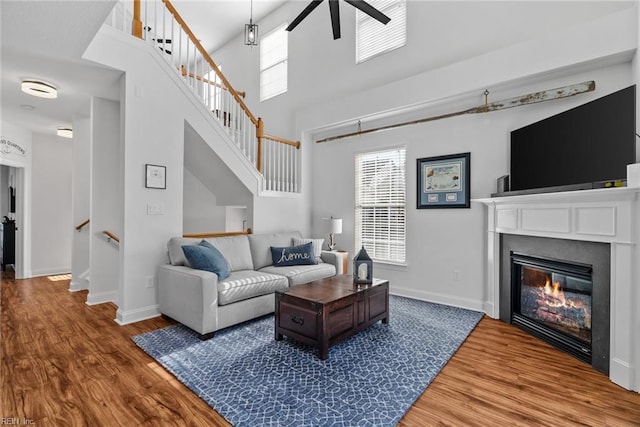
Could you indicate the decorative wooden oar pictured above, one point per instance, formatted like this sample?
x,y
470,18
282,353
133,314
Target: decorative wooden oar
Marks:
x,y
518,101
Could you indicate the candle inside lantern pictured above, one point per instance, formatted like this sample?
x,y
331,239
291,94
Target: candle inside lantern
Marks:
x,y
362,271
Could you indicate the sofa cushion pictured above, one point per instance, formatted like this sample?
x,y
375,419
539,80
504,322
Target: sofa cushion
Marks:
x,y
293,255
261,246
317,246
299,274
206,257
235,250
176,255
244,284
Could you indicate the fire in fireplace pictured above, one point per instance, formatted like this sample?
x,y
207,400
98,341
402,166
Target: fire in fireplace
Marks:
x,y
552,300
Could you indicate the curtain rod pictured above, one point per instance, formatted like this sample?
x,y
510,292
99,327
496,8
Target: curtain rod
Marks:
x,y
518,101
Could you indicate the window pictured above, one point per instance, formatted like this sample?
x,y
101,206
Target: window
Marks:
x,y
381,204
373,37
274,51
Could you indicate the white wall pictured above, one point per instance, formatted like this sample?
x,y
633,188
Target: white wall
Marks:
x,y
440,33
20,159
51,221
201,212
441,242
330,89
106,200
455,51
157,107
81,203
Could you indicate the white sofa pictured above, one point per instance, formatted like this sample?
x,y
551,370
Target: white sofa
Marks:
x,y
197,299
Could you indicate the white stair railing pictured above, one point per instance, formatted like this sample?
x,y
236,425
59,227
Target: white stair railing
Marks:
x,y
277,159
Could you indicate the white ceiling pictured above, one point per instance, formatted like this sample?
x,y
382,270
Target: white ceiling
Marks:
x,y
33,45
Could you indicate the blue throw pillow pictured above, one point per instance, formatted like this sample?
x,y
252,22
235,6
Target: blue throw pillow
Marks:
x,y
206,257
293,255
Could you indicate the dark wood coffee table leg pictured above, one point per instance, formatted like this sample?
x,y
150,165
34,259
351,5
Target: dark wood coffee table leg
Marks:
x,y
277,319
323,333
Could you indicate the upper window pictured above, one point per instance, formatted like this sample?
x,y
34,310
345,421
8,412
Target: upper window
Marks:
x,y
381,204
373,37
274,53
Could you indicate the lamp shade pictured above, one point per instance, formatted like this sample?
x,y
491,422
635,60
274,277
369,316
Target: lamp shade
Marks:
x,y
336,225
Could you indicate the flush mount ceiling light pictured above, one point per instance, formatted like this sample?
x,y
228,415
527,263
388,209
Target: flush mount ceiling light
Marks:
x,y
251,31
65,132
40,89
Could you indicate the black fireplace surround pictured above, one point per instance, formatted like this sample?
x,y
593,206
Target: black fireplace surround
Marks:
x,y
576,273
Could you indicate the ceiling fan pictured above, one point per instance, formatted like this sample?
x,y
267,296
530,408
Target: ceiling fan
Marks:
x,y
335,14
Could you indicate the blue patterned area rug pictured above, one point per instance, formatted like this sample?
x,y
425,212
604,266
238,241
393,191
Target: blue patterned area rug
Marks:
x,y
371,379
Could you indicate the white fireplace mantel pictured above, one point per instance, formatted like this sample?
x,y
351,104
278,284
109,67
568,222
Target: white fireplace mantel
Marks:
x,y
604,215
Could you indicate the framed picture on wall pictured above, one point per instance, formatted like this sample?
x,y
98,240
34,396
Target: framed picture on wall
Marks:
x,y
155,177
444,181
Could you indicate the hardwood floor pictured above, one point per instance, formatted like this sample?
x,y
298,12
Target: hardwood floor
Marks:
x,y
64,363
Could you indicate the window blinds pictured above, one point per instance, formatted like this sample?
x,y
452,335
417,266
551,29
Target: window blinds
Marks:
x,y
373,37
381,204
274,52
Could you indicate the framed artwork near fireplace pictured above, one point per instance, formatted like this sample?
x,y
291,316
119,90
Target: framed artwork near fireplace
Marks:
x,y
444,181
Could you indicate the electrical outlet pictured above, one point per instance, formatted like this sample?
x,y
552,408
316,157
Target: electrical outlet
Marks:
x,y
155,209
150,281
456,275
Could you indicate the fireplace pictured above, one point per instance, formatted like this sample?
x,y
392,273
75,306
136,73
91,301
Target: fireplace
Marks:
x,y
552,299
600,228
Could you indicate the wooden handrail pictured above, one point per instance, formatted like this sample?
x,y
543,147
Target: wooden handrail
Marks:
x,y
257,122
110,236
218,234
282,140
183,71
83,224
211,62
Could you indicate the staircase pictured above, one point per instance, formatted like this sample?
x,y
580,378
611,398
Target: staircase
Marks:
x,y
276,160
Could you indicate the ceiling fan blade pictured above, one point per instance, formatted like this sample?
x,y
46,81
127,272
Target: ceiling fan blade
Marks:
x,y
334,8
307,10
369,10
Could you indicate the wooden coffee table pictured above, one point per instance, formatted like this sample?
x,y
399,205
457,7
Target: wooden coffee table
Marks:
x,y
324,312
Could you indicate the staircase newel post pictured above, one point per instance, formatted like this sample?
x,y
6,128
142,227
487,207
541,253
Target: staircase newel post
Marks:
x,y
136,25
259,136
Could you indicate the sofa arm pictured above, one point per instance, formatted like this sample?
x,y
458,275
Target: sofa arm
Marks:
x,y
334,258
189,296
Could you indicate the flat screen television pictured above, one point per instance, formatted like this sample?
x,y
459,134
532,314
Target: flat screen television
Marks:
x,y
578,148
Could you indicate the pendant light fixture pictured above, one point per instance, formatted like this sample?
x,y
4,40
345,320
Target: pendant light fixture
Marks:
x,y
251,31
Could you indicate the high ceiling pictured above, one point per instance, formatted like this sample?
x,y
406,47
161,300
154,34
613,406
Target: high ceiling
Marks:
x,y
36,46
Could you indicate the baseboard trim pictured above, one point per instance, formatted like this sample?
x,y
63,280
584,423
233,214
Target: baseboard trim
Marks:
x,y
102,297
132,316
439,298
620,373
50,272
78,286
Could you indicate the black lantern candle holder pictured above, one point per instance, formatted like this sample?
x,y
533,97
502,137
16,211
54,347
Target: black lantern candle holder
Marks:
x,y
362,268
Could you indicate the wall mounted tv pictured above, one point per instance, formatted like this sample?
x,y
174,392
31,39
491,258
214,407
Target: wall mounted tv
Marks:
x,y
576,149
